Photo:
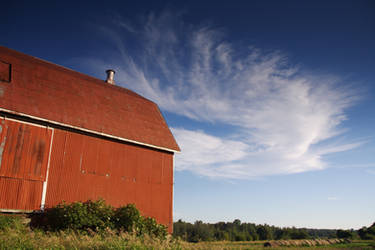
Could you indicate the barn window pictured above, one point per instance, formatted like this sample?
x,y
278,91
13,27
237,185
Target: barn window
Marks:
x,y
5,71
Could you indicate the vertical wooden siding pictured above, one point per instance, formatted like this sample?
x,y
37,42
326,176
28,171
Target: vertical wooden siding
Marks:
x,y
84,167
24,150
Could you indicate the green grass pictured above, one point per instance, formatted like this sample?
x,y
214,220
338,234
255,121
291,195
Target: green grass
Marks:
x,y
15,234
36,239
11,239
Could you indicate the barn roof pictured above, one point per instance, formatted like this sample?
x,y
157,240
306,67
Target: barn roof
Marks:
x,y
42,90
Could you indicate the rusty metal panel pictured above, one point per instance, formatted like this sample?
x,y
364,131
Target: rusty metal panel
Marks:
x,y
30,194
156,202
84,167
104,159
90,155
143,198
24,151
167,198
157,168
167,172
144,165
19,194
72,160
56,165
131,167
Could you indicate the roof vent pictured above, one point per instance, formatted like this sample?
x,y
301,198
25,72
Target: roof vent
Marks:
x,y
110,76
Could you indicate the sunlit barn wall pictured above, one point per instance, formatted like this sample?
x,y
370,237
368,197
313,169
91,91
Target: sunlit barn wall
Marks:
x,y
84,167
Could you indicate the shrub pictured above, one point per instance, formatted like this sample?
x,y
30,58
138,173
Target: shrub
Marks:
x,y
128,218
93,215
97,216
152,228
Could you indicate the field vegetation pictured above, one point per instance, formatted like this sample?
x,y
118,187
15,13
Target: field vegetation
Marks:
x,y
88,225
237,231
96,225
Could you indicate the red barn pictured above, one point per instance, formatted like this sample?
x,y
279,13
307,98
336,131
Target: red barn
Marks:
x,y
68,136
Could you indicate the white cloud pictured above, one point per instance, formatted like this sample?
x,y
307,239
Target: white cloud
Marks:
x,y
202,151
282,115
333,198
370,171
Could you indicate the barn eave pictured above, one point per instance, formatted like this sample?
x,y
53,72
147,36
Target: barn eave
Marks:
x,y
88,131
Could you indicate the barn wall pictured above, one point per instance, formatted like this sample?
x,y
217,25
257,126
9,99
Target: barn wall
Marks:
x,y
24,153
83,167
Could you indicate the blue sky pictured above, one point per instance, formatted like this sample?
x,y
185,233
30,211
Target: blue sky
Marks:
x,y
272,102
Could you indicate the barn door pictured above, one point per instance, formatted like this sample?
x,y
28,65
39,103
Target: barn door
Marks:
x,y
24,156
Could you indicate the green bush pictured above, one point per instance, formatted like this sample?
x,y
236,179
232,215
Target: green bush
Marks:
x,y
94,215
151,227
128,218
97,216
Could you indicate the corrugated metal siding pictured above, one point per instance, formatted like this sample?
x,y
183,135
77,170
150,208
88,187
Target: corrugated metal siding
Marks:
x,y
84,167
24,151
19,194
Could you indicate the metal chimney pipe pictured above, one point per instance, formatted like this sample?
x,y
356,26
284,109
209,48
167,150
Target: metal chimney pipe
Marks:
x,y
110,76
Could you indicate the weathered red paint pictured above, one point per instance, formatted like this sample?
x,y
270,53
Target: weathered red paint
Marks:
x,y
24,150
19,194
82,165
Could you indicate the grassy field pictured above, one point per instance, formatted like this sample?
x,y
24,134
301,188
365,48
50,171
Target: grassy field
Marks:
x,y
14,234
260,245
28,239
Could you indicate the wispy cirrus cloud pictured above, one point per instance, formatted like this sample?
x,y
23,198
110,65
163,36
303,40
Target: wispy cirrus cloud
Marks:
x,y
283,117
333,198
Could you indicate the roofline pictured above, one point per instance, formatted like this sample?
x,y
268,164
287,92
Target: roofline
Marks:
x,y
92,79
89,131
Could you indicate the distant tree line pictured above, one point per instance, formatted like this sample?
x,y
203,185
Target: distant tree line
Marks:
x,y
237,231
367,233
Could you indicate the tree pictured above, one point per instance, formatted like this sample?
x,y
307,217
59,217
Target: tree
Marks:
x,y
264,232
367,233
281,234
344,234
298,234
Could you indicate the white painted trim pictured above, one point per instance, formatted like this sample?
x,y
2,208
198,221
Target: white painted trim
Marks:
x,y
90,131
23,122
173,172
15,211
45,183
